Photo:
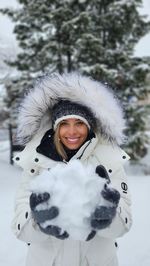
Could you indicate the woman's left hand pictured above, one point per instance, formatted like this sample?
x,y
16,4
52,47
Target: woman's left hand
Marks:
x,y
103,215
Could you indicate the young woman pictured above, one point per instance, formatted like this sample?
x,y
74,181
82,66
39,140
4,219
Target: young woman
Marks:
x,y
67,117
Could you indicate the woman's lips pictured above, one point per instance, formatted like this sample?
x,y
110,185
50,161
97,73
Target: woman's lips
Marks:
x,y
72,140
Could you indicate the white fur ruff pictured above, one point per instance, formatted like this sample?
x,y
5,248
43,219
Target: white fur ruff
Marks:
x,y
36,107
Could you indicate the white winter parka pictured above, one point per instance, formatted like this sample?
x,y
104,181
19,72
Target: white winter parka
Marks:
x,y
45,250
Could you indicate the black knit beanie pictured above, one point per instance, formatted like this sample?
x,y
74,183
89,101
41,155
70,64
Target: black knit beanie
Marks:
x,y
65,109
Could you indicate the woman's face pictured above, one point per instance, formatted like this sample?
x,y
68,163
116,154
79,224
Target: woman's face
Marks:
x,y
72,133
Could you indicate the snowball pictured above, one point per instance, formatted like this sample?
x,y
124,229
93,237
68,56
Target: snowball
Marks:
x,y
76,191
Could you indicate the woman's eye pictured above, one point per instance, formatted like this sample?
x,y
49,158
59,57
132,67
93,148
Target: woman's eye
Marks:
x,y
63,123
80,123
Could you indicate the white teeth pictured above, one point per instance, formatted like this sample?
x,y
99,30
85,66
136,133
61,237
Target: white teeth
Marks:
x,y
72,140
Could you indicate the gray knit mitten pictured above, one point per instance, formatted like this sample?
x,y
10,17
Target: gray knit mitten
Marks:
x,y
104,214
41,215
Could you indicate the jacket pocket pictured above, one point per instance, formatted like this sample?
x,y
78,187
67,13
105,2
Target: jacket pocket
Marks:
x,y
85,262
113,261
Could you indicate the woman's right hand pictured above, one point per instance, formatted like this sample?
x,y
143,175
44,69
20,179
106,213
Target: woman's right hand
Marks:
x,y
42,213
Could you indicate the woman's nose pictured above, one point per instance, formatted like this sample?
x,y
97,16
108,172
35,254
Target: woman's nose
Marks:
x,y
72,130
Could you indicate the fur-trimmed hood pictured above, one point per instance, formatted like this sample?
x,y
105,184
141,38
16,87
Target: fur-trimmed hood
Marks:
x,y
35,109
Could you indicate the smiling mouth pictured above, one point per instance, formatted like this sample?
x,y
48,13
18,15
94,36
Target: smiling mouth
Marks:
x,y
72,140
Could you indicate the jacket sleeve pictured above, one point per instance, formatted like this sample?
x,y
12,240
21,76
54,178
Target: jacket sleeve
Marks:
x,y
123,219
23,224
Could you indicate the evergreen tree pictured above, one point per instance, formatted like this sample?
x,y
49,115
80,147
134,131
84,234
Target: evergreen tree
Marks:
x,y
96,37
106,53
46,32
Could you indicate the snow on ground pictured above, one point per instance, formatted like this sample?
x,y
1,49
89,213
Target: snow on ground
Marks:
x,y
134,247
12,251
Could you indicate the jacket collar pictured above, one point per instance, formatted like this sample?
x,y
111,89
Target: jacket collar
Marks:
x,y
47,147
86,149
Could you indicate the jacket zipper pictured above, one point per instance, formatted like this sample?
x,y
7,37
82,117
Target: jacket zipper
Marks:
x,y
84,150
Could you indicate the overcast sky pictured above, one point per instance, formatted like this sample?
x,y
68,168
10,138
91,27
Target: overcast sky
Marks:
x,y
6,28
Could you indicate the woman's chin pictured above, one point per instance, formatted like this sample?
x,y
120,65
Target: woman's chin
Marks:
x,y
72,146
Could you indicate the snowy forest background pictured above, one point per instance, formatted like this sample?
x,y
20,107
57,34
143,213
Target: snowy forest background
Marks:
x,y
97,38
107,39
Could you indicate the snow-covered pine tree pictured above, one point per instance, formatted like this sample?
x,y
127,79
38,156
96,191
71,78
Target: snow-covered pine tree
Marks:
x,y
106,53
96,37
46,32
7,52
